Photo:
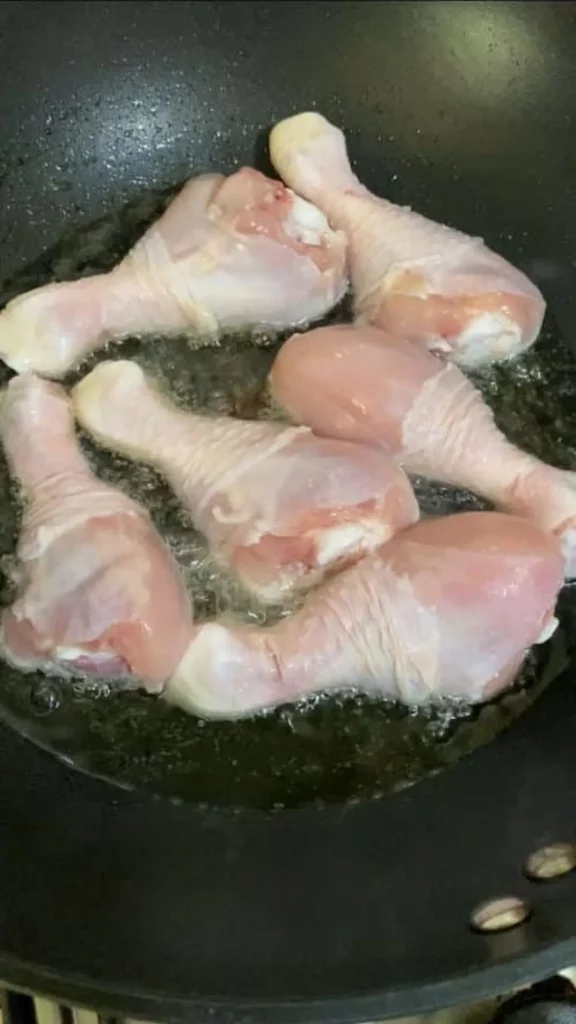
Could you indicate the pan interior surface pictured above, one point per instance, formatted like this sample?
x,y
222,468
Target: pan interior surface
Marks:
x,y
464,111
324,749
168,909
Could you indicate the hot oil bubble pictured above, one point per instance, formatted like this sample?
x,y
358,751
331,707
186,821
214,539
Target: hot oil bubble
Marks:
x,y
45,696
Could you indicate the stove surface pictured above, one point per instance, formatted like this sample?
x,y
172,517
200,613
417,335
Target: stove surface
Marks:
x,y
20,1008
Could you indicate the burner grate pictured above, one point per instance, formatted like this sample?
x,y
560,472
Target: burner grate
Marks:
x,y
18,1008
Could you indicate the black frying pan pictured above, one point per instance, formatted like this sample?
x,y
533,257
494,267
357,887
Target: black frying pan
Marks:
x,y
349,911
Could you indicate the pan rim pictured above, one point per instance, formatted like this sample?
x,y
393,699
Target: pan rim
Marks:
x,y
502,790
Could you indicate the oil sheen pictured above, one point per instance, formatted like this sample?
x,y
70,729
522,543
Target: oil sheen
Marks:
x,y
329,748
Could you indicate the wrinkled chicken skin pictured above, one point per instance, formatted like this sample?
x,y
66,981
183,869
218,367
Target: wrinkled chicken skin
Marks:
x,y
361,384
416,278
97,590
446,609
228,252
279,506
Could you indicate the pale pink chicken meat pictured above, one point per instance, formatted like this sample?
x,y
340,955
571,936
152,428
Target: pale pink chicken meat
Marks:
x,y
278,506
362,384
227,252
97,590
410,275
446,609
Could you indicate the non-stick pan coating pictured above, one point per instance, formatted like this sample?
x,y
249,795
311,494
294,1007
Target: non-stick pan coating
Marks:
x,y
466,111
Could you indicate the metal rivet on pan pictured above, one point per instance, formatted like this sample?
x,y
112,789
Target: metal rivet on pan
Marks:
x,y
551,861
499,914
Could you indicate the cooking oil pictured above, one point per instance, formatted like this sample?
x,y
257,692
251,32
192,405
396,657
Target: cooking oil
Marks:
x,y
327,748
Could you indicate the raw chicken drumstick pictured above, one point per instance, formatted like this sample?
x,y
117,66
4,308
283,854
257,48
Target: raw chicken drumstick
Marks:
x,y
414,277
97,589
227,252
278,505
448,608
361,384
